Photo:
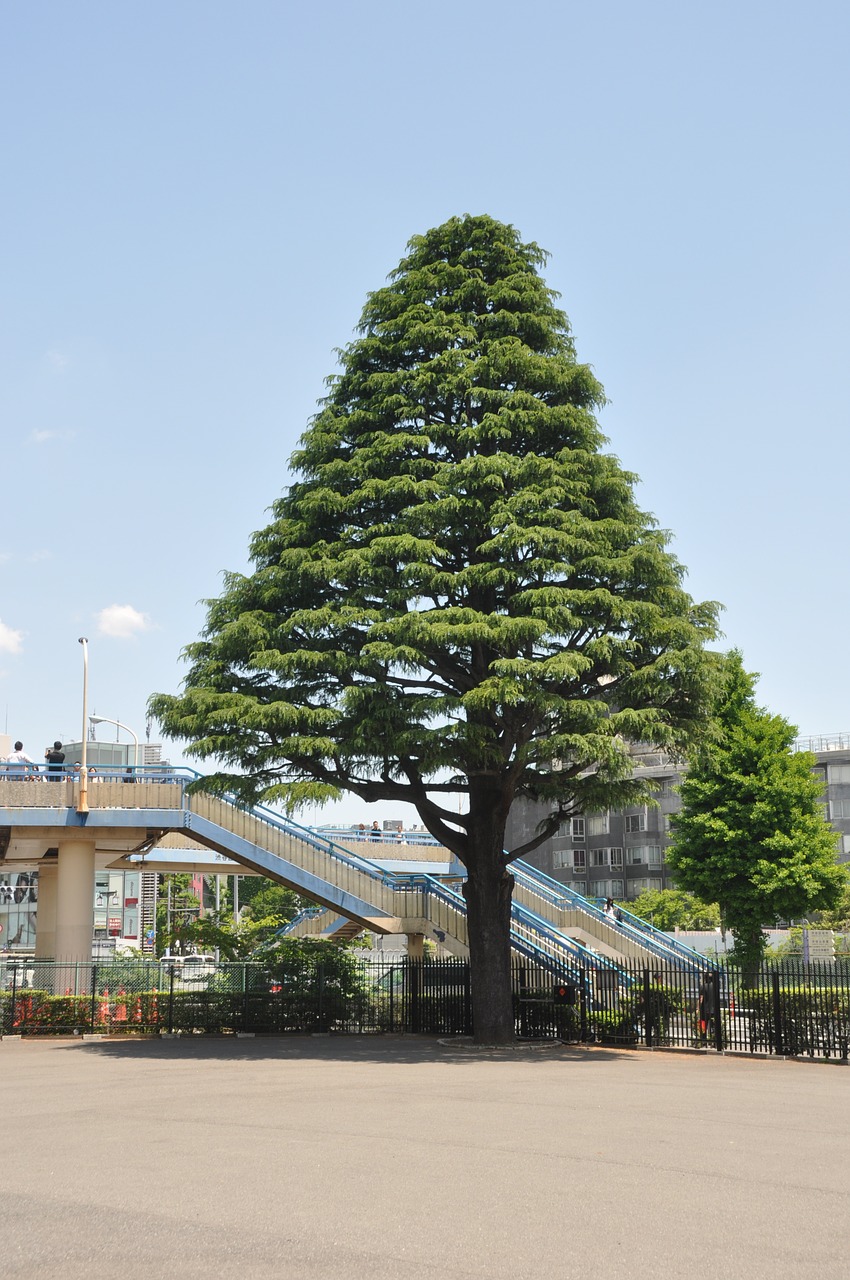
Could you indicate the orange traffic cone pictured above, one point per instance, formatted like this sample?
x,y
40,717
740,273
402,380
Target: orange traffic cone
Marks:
x,y
103,1012
121,1006
137,1012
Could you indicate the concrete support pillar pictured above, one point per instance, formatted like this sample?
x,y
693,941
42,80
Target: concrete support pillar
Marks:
x,y
416,946
45,928
75,901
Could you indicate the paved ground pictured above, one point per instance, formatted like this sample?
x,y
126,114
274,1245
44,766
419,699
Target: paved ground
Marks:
x,y
382,1158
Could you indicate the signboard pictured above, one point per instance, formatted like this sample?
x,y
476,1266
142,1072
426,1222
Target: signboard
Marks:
x,y
818,944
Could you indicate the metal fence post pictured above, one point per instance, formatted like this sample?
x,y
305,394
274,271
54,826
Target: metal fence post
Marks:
x,y
583,1004
171,1001
415,990
718,1023
320,991
647,1010
93,1001
778,1038
14,998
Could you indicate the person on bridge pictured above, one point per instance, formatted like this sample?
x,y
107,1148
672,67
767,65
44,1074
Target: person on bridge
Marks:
x,y
20,762
55,758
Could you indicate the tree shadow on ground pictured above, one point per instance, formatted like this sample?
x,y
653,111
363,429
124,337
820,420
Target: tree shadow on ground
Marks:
x,y
406,1050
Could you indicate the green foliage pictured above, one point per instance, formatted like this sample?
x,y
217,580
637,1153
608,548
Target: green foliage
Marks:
x,y
838,916
457,569
232,941
638,1011
459,592
269,900
172,926
811,1019
752,832
670,909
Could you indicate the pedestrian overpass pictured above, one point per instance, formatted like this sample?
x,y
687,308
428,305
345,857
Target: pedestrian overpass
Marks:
x,y
125,821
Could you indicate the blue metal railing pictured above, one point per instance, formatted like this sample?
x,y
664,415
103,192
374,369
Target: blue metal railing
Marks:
x,y
537,881
654,940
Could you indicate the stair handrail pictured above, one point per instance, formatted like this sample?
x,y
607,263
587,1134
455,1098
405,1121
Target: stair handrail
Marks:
x,y
653,939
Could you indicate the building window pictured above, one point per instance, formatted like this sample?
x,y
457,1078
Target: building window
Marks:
x,y
839,808
649,854
598,824
616,856
562,858
577,828
635,887
838,773
607,888
599,857
580,886
667,787
579,859
845,844
635,822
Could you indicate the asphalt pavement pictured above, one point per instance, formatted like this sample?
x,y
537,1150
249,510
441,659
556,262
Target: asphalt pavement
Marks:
x,y
383,1158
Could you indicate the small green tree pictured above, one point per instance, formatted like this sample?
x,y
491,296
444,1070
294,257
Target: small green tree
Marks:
x,y
232,940
838,916
177,907
266,898
670,909
752,832
458,593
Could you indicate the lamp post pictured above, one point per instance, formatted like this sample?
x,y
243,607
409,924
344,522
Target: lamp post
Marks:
x,y
83,795
126,728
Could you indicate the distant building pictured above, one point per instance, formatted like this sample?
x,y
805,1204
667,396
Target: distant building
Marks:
x,y
621,853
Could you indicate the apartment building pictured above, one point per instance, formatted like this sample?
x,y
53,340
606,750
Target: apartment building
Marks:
x,y
621,853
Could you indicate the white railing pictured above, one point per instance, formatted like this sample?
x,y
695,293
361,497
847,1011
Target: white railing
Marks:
x,y
823,742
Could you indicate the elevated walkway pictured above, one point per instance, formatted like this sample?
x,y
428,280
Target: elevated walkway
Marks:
x,y
550,924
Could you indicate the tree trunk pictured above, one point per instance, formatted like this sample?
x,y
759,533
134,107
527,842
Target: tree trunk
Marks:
x,y
488,890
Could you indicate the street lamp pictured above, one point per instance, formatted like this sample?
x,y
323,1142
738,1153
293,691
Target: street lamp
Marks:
x,y
83,796
126,728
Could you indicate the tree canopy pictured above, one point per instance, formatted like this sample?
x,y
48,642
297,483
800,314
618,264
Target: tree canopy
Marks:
x,y
752,833
670,909
458,593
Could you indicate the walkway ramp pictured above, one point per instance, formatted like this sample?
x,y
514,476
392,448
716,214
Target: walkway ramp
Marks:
x,y
550,923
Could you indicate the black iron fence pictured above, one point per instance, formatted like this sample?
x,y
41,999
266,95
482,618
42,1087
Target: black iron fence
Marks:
x,y
789,1009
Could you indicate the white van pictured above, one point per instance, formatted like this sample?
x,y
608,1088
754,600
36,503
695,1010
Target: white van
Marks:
x,y
197,968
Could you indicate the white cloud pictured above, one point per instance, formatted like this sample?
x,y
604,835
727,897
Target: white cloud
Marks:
x,y
121,621
58,361
44,437
10,641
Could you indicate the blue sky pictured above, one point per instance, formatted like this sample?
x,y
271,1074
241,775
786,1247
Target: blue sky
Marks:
x,y
198,197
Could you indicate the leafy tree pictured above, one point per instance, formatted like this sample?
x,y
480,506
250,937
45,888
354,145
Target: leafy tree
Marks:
x,y
670,909
838,916
751,832
177,906
458,593
233,940
267,898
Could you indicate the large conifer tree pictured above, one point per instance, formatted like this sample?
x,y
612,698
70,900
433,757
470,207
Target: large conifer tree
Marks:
x,y
458,593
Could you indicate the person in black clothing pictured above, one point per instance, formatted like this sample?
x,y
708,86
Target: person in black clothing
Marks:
x,y
55,758
705,1007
